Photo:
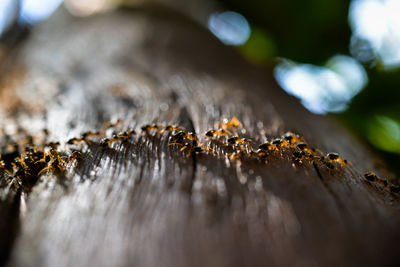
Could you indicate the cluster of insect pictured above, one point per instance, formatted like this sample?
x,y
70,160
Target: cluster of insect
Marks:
x,y
225,137
372,178
27,161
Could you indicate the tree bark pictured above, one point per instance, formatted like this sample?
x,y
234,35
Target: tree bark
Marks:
x,y
143,202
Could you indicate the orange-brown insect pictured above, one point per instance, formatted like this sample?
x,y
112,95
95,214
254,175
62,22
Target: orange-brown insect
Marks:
x,y
105,142
172,128
109,124
147,128
292,138
74,141
259,153
216,133
88,134
191,147
267,146
236,140
334,157
55,163
53,144
227,125
2,164
305,148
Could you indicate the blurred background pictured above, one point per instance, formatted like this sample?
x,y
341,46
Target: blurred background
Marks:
x,y
338,57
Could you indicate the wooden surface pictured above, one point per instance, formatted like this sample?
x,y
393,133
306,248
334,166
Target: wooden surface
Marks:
x,y
144,203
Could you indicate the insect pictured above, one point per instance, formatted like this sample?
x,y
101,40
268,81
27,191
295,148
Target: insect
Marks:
x,y
259,153
105,142
75,157
126,134
109,124
292,138
172,128
121,136
53,144
305,148
2,164
191,147
178,138
267,146
301,146
277,142
302,155
74,140
335,158
189,142
227,125
88,134
147,128
191,136
236,140
216,133
370,176
55,163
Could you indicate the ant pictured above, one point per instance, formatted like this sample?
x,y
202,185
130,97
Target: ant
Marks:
x,y
74,141
109,124
105,142
292,138
52,144
259,153
302,155
335,158
236,140
172,128
121,136
277,142
267,146
190,145
216,133
305,148
370,176
88,134
54,163
147,128
3,165
180,136
193,147
226,124
126,134
191,136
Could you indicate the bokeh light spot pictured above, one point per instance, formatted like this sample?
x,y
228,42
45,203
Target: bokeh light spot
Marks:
x,y
384,133
323,89
376,26
230,27
33,11
8,9
260,48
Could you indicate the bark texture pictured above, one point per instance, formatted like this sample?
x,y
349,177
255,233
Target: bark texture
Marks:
x,y
144,203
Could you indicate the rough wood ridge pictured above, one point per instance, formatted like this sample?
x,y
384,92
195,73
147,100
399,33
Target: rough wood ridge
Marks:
x,y
156,146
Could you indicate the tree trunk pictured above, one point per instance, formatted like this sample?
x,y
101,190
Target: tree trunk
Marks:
x,y
142,201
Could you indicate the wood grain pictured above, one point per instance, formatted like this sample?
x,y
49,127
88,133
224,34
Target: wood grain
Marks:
x,y
142,202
